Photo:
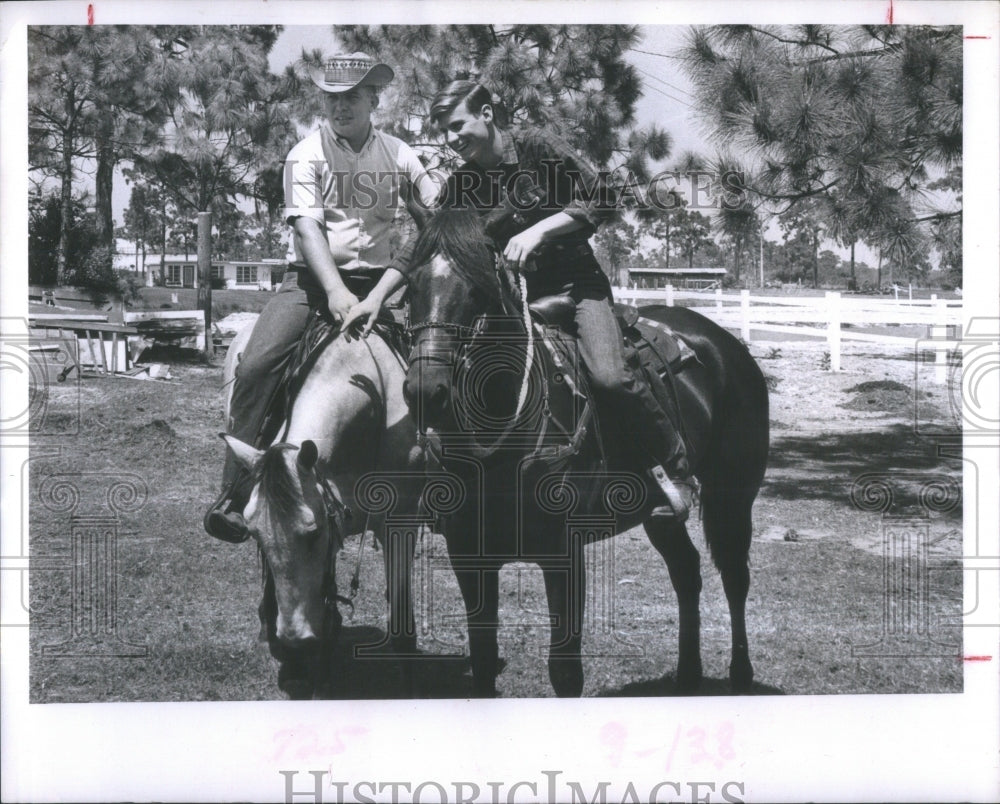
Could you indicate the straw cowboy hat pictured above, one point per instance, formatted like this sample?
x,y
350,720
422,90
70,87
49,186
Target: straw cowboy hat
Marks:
x,y
341,73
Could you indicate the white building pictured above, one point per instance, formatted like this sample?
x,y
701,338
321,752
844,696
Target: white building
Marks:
x,y
181,270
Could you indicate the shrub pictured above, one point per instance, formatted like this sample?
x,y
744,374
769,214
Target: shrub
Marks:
x,y
128,286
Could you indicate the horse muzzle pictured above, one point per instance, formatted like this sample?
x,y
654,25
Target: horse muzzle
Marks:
x,y
428,400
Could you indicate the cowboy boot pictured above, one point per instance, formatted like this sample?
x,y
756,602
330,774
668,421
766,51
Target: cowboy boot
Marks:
x,y
681,492
673,475
224,519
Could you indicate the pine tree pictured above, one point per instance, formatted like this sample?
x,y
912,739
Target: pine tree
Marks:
x,y
58,100
857,116
229,123
572,79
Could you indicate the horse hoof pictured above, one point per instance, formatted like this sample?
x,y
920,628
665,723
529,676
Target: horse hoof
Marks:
x,y
566,678
688,681
741,678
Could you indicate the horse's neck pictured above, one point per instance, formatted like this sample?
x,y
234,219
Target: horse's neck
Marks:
x,y
352,381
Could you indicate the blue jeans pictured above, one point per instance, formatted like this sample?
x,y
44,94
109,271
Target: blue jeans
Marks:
x,y
630,416
630,411
272,344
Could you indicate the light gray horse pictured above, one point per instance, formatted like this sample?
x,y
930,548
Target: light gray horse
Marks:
x,y
347,457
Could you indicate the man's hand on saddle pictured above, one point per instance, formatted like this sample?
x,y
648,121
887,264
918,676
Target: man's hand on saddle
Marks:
x,y
361,317
340,302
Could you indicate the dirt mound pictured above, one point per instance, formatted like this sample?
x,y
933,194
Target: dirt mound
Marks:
x,y
156,434
885,395
877,385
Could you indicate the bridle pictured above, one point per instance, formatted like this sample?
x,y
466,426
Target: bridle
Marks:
x,y
336,514
468,334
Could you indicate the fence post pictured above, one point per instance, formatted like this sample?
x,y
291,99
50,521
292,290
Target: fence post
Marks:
x,y
718,298
670,295
833,328
745,315
939,331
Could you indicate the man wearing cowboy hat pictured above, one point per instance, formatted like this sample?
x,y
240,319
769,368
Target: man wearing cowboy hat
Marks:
x,y
343,186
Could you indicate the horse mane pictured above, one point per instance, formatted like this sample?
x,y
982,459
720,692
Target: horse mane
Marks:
x,y
278,488
459,235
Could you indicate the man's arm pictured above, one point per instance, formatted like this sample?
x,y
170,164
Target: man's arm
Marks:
x,y
581,191
521,245
315,251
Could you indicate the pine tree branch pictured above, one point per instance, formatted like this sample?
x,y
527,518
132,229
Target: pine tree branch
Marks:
x,y
798,42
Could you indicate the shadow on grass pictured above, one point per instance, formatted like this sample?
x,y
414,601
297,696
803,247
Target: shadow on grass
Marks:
x,y
366,668
666,687
825,466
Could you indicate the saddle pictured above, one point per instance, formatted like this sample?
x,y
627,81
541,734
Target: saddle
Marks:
x,y
652,350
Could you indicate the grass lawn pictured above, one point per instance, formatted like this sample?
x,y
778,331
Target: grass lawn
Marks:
x,y
224,302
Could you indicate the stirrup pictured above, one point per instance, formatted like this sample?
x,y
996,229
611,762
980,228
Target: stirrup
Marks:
x,y
228,526
681,496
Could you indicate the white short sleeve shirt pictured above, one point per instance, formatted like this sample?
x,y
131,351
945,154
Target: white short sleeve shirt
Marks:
x,y
355,199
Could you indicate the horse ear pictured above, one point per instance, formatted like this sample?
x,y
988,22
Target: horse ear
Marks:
x,y
245,454
307,455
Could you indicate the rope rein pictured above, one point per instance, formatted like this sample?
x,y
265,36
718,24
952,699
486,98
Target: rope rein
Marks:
x,y
383,424
529,352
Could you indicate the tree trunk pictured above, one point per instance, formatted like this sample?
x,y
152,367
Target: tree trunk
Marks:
x,y
853,277
103,187
879,281
205,276
815,259
66,222
163,242
666,242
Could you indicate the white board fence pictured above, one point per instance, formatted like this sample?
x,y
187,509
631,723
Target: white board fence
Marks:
x,y
830,317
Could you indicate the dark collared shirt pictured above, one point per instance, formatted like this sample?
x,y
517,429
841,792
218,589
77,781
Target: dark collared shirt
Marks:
x,y
538,176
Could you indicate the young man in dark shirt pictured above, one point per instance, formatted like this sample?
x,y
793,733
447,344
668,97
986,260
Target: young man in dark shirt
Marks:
x,y
542,202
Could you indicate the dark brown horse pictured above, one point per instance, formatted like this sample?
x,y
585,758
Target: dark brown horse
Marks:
x,y
539,487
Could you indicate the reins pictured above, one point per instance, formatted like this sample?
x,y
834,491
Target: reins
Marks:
x,y
383,424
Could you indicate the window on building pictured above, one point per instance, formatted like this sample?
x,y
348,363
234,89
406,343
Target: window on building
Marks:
x,y
217,272
173,276
246,274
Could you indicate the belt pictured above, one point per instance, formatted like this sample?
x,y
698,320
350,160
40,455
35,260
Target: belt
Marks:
x,y
360,283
